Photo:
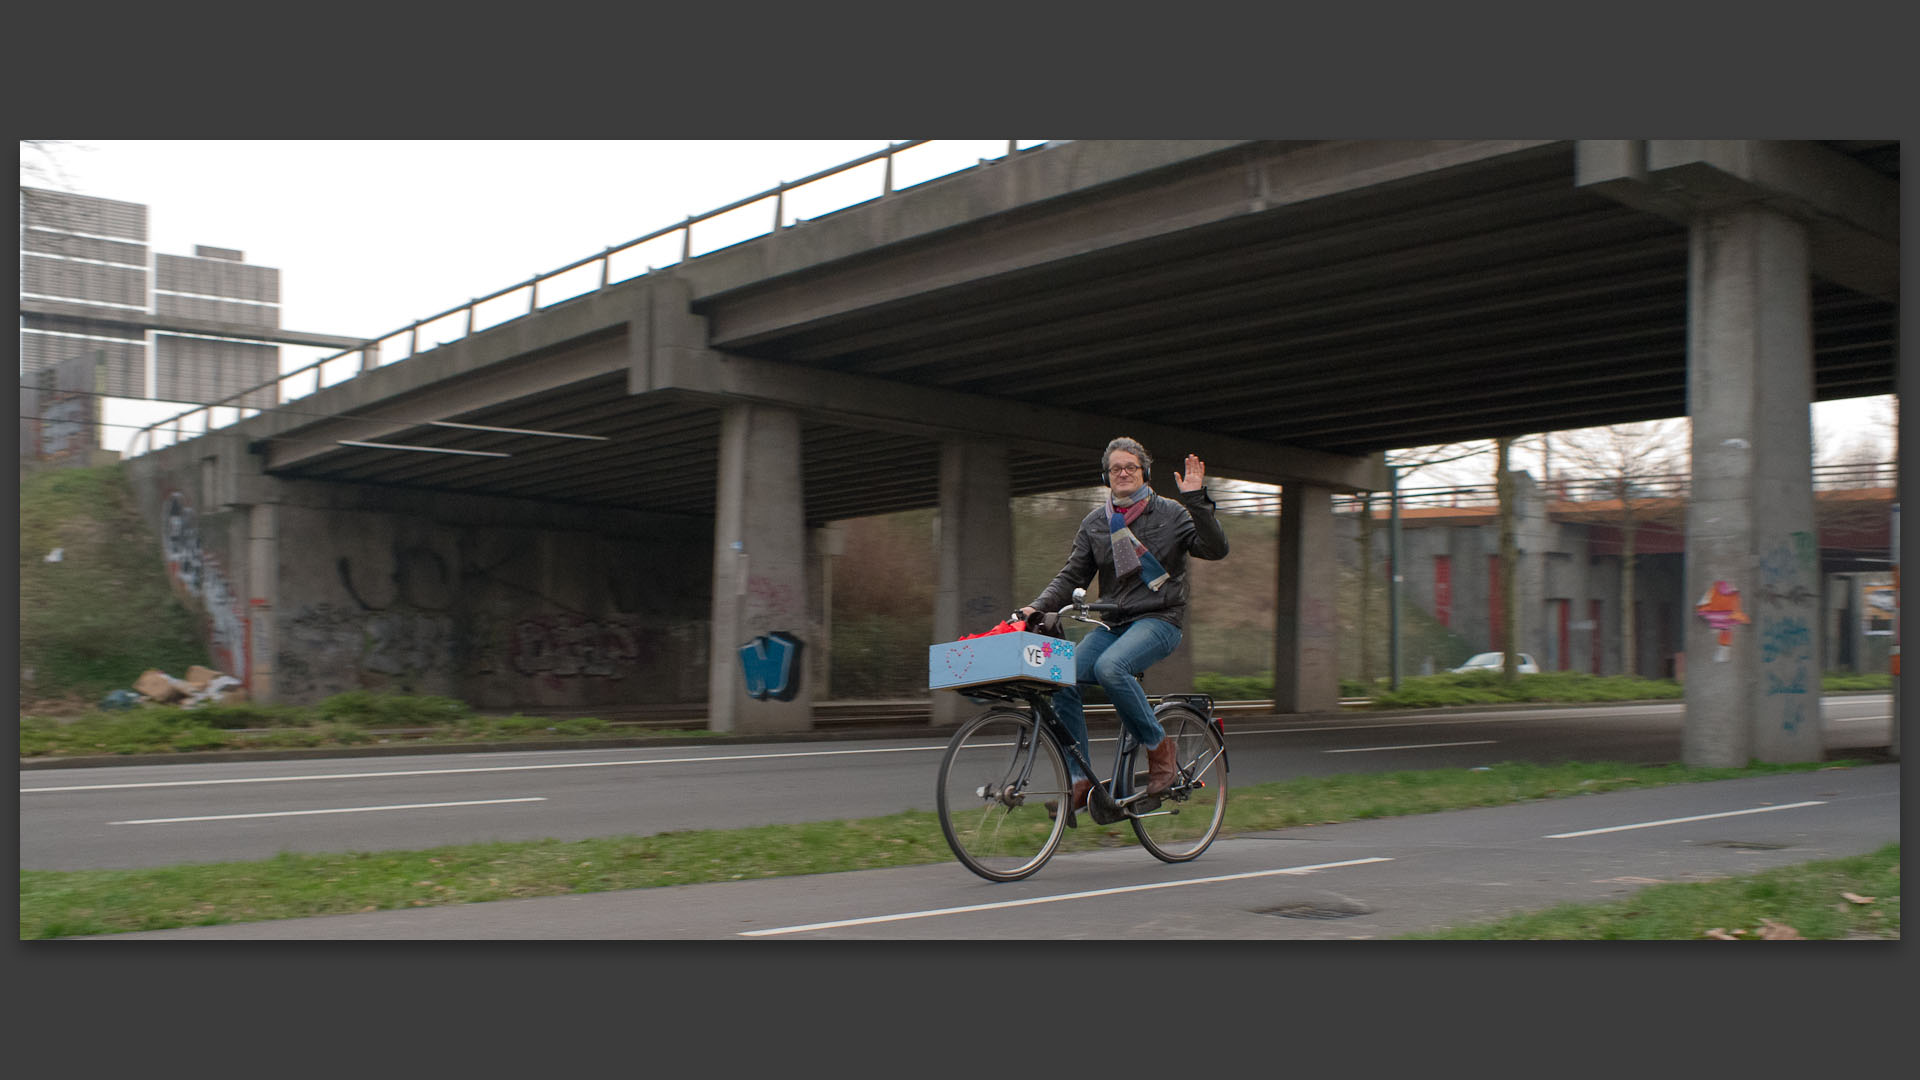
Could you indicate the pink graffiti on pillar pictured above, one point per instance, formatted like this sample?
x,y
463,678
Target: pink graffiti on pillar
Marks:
x,y
1720,606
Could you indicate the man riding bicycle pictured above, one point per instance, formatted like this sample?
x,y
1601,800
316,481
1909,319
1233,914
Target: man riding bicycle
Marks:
x,y
1137,543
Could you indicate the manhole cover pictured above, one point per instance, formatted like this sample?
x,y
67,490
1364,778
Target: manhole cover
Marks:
x,y
1749,845
1315,911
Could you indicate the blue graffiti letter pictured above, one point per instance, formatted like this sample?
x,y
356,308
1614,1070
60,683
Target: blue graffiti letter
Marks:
x,y
772,666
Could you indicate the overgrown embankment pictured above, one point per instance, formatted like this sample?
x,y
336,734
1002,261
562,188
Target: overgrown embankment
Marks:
x,y
102,610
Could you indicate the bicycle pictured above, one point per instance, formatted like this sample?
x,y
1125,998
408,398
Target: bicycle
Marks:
x,y
1004,794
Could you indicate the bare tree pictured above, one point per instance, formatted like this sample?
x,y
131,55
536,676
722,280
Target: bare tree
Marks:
x,y
37,161
1637,469
1864,436
1405,463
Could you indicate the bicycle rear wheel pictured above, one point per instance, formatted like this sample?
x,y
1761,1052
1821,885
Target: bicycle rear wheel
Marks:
x,y
1190,814
995,778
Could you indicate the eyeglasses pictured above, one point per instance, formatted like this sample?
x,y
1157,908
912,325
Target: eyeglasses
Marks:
x,y
1123,470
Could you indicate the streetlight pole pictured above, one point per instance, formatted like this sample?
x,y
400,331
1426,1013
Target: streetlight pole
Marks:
x,y
1394,576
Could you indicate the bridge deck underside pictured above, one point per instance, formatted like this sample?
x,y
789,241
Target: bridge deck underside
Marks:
x,y
1490,299
660,456
1495,299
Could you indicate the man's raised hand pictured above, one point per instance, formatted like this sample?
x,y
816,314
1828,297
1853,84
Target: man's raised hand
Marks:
x,y
1195,477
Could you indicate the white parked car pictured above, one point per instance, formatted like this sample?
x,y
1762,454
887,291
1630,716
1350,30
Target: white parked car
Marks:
x,y
1493,661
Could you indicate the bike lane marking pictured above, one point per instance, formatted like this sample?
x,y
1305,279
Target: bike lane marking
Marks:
x,y
477,769
338,810
1057,898
1683,820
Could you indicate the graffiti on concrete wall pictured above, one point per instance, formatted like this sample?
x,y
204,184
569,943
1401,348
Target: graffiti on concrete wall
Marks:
x,y
771,665
773,596
415,577
573,646
408,644
325,647
1786,629
199,573
1720,606
419,611
577,655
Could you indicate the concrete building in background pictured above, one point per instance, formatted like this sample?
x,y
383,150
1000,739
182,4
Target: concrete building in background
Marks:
x,y
1569,579
103,316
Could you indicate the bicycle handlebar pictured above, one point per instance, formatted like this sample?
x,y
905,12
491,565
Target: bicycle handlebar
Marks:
x,y
1079,608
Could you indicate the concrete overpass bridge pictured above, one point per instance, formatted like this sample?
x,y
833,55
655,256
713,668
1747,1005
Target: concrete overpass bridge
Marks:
x,y
602,499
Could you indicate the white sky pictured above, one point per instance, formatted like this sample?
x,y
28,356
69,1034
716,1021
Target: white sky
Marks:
x,y
370,236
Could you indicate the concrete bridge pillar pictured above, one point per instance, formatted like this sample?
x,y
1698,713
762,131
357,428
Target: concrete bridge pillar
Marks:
x,y
1306,633
1753,566
763,622
975,556
263,587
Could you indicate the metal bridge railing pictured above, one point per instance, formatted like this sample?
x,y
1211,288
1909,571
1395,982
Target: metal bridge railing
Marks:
x,y
464,320
1877,474
1851,476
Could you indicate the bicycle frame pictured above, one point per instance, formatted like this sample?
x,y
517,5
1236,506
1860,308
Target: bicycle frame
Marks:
x,y
1039,703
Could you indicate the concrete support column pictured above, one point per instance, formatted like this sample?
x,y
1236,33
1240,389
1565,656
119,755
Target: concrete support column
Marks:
x,y
1306,672
263,587
826,544
975,558
760,571
1753,567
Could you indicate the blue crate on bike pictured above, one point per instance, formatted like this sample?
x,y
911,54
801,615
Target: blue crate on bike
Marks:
x,y
1017,657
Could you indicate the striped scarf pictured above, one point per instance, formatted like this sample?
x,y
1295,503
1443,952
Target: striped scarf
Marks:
x,y
1129,554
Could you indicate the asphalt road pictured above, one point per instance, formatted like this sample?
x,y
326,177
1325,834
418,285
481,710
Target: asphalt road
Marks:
x,y
1366,879
154,815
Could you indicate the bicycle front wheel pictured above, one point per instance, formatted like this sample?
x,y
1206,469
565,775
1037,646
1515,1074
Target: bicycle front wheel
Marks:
x,y
1190,813
998,773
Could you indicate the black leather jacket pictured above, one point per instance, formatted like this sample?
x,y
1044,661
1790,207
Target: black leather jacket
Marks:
x,y
1171,530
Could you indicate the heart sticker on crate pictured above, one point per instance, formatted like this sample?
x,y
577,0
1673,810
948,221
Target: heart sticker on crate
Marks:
x,y
960,661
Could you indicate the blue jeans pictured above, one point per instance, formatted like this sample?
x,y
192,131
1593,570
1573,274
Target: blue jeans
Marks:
x,y
1112,660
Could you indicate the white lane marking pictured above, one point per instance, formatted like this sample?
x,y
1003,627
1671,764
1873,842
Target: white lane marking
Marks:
x,y
477,769
1301,730
1410,722
1057,898
1683,820
340,810
1410,746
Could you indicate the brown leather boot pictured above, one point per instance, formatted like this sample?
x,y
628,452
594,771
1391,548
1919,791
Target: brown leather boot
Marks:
x,y
1080,789
1161,767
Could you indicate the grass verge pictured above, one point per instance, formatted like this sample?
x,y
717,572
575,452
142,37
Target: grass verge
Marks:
x,y
363,718
104,611
71,903
1850,898
356,718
